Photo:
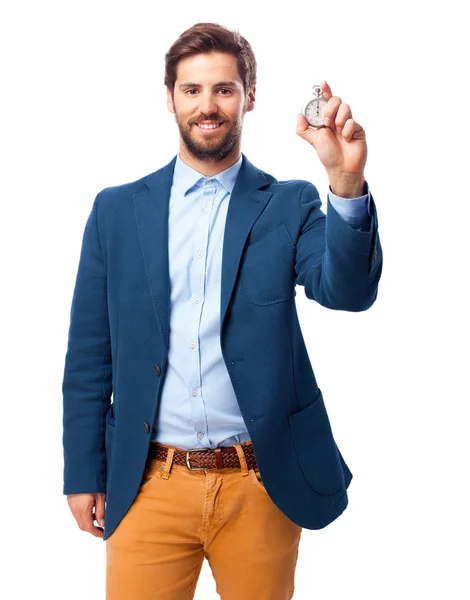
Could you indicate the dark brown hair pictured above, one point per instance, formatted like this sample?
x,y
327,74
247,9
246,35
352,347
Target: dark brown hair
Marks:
x,y
211,37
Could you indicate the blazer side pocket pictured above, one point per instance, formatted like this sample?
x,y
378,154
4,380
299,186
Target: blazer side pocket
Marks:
x,y
316,449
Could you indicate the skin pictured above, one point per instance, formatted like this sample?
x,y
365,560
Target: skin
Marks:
x,y
82,506
210,154
340,145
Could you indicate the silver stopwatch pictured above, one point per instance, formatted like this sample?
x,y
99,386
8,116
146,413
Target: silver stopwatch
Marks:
x,y
313,110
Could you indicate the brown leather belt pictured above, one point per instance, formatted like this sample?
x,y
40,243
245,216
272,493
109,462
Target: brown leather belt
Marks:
x,y
205,458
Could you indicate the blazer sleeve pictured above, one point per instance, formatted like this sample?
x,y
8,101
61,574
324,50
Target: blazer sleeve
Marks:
x,y
87,380
339,266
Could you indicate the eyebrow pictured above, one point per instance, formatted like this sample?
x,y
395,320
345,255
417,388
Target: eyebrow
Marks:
x,y
226,83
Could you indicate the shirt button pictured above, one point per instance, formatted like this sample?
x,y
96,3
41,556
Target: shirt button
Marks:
x,y
192,345
146,427
208,181
197,300
194,392
200,435
199,253
157,369
206,210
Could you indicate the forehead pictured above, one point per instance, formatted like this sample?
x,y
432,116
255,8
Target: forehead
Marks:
x,y
208,68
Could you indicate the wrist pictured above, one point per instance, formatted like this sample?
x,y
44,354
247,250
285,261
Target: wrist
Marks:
x,y
347,185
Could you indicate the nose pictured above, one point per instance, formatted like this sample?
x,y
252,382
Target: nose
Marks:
x,y
208,105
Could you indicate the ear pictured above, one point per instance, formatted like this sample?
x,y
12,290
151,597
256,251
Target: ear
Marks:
x,y
250,101
169,101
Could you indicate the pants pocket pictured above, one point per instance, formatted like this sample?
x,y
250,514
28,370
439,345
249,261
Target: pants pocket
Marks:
x,y
151,472
256,479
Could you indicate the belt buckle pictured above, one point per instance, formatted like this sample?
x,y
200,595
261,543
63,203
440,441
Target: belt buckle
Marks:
x,y
188,464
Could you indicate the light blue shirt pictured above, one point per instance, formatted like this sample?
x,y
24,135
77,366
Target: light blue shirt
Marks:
x,y
198,406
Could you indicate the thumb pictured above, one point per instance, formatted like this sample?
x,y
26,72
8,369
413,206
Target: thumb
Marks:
x,y
305,131
99,508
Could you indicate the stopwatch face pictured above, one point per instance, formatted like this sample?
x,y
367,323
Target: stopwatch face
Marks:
x,y
314,112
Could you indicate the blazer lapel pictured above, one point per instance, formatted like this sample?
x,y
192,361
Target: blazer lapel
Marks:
x,y
247,202
151,207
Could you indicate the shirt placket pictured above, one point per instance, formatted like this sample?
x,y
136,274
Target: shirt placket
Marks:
x,y
197,282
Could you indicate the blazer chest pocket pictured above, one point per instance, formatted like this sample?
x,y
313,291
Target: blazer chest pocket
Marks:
x,y
267,270
316,449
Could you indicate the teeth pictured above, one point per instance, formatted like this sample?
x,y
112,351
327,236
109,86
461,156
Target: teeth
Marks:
x,y
209,126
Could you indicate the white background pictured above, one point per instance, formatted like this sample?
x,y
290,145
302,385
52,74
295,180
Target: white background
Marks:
x,y
84,107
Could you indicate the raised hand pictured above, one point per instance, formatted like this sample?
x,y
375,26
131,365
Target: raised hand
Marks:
x,y
341,145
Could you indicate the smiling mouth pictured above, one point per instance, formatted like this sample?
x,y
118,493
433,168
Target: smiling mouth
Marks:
x,y
209,127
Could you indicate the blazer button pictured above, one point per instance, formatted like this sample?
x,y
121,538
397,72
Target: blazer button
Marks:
x,y
157,369
146,427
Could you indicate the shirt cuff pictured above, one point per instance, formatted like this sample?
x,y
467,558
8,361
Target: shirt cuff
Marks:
x,y
355,211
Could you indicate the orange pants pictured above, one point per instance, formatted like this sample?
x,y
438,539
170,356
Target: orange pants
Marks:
x,y
180,516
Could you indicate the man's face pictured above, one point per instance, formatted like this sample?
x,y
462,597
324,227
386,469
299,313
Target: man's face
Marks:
x,y
216,96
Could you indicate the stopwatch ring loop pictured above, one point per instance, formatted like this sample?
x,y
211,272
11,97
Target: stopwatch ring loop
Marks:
x,y
316,90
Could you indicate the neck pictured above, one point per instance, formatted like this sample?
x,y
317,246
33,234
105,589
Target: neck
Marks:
x,y
208,168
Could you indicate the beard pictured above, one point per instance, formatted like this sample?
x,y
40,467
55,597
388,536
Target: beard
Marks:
x,y
214,147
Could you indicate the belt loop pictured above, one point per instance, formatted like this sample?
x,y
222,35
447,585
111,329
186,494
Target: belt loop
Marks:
x,y
169,462
218,458
242,459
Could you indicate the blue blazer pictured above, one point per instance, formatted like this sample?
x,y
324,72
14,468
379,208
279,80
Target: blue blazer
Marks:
x,y
276,237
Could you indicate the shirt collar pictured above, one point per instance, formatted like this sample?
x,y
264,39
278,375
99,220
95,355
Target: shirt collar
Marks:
x,y
185,177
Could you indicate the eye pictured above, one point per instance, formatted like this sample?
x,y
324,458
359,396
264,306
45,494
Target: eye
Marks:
x,y
221,90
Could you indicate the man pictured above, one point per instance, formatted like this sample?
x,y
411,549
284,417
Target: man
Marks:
x,y
184,311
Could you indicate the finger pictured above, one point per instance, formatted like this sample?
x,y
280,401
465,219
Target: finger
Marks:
x,y
330,110
100,509
326,90
98,532
305,131
353,130
302,124
343,114
85,522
